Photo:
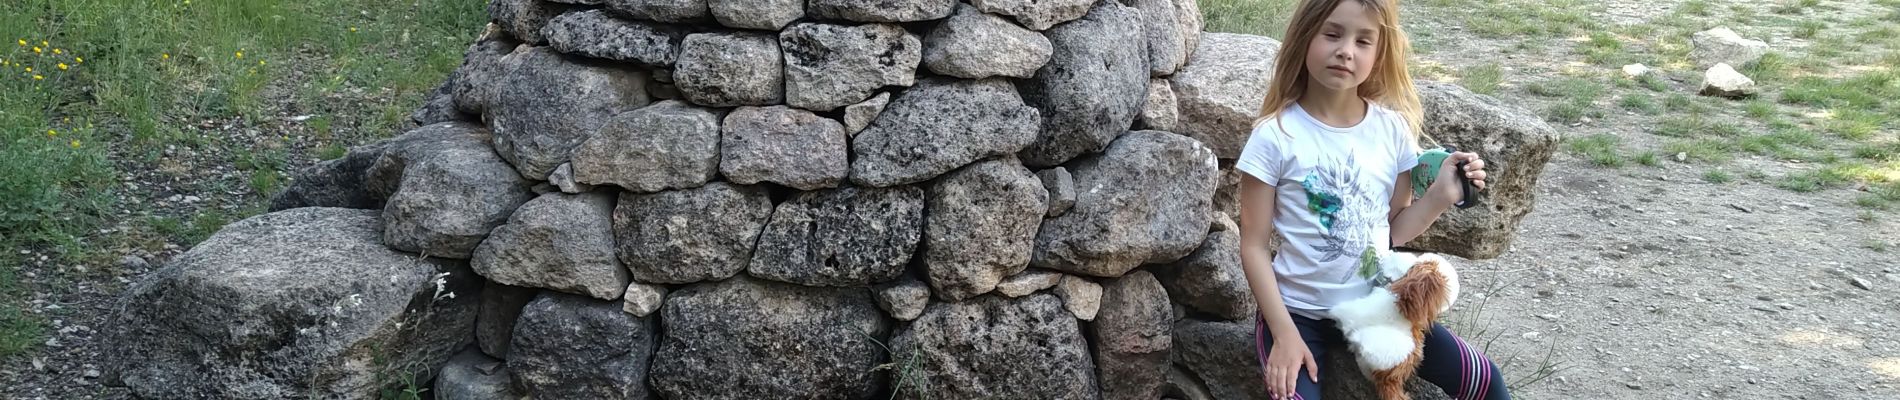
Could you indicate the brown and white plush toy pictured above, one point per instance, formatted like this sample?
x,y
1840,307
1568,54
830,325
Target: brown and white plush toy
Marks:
x,y
1386,328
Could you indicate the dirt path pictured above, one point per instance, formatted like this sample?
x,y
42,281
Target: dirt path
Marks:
x,y
1652,287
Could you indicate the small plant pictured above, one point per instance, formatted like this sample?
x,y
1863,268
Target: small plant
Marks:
x,y
1648,159
1483,79
905,372
1601,149
1809,28
1760,109
1640,104
1717,176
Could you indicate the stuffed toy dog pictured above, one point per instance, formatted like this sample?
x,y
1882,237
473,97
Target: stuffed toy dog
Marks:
x,y
1386,329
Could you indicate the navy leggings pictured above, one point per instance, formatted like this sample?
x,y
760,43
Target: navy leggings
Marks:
x,y
1448,362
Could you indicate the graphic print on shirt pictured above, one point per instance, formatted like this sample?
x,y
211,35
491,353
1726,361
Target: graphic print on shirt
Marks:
x,y
1347,210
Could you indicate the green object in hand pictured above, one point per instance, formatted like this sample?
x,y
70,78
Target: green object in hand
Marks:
x,y
1427,170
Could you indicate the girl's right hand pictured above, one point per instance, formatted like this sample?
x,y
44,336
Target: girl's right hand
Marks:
x,y
1284,362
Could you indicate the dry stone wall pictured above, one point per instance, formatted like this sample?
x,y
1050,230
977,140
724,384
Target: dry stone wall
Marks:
x,y
726,199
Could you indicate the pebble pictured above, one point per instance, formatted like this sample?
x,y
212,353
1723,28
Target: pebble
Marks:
x,y
1548,317
1765,298
1634,385
1785,306
1862,283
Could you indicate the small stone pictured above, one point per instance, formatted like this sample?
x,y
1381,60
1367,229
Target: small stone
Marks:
x,y
133,263
830,66
663,10
642,299
1785,306
731,69
1765,298
1723,81
1682,156
1862,283
769,15
1027,282
563,178
975,45
904,300
1635,70
1061,187
1548,317
1080,296
1722,45
92,373
1634,385
859,116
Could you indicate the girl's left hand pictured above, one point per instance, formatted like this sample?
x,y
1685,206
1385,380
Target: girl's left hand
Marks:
x,y
1446,186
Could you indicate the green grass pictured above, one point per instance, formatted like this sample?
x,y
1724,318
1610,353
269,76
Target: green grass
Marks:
x,y
1483,79
152,72
1809,28
1603,48
1601,149
1760,109
1639,103
1717,176
1695,7
1648,159
1701,150
1856,125
1771,67
1515,19
1253,17
1839,174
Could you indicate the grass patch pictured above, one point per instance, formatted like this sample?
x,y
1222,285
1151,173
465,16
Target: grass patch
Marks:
x,y
1717,176
1839,174
1483,79
1695,125
1852,124
1701,150
1759,109
1638,103
1601,149
1253,17
1771,67
1878,152
1700,8
1516,19
1678,103
1604,49
1648,159
119,82
1807,29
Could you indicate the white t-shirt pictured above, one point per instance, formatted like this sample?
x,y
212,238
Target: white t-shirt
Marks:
x,y
1335,190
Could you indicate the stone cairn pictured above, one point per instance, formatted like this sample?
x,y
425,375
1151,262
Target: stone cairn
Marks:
x,y
750,199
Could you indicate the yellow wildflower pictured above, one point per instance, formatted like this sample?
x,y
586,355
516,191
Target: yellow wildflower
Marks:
x,y
58,51
167,56
36,50
75,143
352,29
22,42
29,69
240,54
43,43
81,60
52,133
62,66
39,78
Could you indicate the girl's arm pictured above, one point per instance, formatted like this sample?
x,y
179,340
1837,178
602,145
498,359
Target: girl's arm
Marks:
x,y
1257,211
1410,219
1289,355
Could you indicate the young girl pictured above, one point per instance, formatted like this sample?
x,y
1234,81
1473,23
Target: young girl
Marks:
x,y
1328,170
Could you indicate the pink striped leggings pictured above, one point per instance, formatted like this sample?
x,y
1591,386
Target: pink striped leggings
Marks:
x,y
1449,363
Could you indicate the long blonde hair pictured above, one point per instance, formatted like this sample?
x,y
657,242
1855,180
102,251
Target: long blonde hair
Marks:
x,y
1390,84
